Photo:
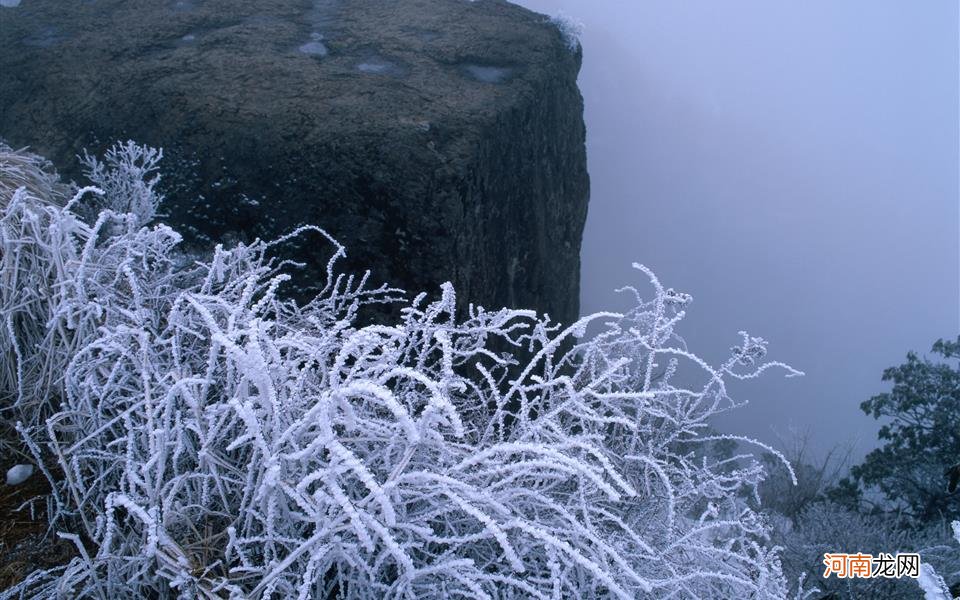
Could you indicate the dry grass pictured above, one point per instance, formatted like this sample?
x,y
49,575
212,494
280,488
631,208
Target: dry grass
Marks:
x,y
20,168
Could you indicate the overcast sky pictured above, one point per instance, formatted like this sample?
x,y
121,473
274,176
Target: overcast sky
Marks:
x,y
792,165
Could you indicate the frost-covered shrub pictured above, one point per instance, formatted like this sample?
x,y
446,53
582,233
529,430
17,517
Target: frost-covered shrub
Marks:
x,y
825,527
127,179
207,438
42,242
931,582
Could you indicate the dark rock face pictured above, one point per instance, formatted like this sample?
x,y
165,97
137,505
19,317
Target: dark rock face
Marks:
x,y
438,140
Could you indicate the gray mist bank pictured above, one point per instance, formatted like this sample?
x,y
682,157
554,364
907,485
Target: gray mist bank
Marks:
x,y
794,166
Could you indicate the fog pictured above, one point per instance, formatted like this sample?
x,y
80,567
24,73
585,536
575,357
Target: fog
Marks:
x,y
794,167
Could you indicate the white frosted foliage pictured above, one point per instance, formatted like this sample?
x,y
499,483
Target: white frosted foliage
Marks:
x,y
207,438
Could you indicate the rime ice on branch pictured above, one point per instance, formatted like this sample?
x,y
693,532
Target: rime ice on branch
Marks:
x,y
206,438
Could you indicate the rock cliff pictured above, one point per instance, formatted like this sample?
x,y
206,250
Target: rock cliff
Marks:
x,y
436,139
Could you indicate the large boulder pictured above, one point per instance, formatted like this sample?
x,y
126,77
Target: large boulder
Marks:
x,y
439,140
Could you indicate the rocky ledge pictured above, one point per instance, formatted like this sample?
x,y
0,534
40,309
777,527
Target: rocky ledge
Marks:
x,y
439,140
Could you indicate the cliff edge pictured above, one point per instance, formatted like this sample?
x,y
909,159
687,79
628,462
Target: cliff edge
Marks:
x,y
436,139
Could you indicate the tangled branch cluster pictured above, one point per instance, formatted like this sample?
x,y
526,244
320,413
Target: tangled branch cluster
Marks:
x,y
206,438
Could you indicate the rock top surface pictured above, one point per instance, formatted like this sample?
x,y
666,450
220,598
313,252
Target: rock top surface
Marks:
x,y
439,140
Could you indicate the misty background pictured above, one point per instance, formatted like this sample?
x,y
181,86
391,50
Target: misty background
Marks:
x,y
794,167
